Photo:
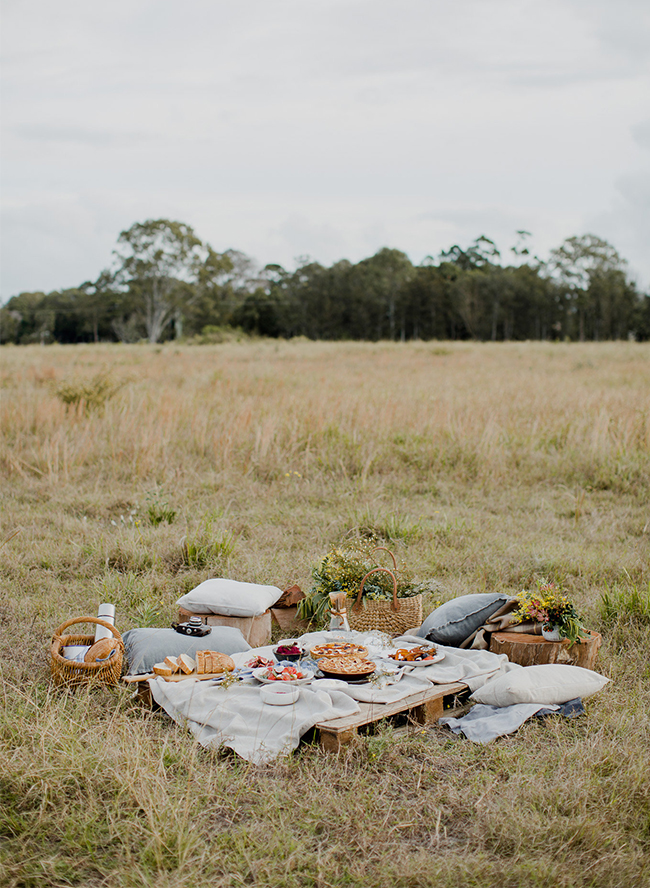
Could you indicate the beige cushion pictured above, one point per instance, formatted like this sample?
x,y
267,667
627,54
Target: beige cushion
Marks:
x,y
231,598
551,683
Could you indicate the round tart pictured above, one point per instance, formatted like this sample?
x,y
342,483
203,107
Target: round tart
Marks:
x,y
338,649
346,665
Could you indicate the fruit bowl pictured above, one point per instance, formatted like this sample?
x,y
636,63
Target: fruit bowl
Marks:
x,y
288,651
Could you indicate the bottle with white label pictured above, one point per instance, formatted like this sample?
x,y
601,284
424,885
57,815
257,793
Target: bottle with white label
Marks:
x,y
106,612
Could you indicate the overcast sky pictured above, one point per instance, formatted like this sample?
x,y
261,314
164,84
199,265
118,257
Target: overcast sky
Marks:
x,y
327,128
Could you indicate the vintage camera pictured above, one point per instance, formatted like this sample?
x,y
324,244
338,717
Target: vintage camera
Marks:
x,y
194,626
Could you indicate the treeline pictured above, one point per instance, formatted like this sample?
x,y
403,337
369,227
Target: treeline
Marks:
x,y
166,283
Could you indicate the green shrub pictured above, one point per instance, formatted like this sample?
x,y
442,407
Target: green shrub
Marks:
x,y
159,511
91,394
625,604
201,552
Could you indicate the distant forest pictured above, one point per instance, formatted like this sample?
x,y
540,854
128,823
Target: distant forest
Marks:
x,y
165,283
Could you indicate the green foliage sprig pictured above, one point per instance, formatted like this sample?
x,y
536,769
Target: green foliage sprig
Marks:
x,y
342,569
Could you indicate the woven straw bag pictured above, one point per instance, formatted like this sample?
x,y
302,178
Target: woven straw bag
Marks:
x,y
71,673
393,617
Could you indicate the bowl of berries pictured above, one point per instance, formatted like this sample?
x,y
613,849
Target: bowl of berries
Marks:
x,y
288,650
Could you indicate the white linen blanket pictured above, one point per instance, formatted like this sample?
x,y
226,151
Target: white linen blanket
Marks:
x,y
237,718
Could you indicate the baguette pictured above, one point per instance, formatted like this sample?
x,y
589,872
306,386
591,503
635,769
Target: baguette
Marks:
x,y
162,669
187,664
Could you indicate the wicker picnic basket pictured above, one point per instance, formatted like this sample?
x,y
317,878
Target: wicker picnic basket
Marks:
x,y
71,673
393,617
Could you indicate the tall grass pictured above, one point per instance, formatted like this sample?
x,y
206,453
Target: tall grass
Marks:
x,y
351,410
485,466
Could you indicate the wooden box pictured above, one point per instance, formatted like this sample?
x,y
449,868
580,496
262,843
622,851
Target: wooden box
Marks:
x,y
256,630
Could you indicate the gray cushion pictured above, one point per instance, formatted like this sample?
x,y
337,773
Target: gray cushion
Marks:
x,y
144,647
456,620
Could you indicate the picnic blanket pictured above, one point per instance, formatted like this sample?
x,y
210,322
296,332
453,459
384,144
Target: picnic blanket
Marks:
x,y
235,716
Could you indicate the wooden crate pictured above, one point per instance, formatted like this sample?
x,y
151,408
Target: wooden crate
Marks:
x,y
287,620
256,630
423,707
533,650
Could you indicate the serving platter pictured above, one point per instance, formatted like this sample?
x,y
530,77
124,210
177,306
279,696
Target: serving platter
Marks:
x,y
260,675
363,675
435,659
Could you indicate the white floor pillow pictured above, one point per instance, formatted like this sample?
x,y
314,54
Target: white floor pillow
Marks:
x,y
230,598
551,683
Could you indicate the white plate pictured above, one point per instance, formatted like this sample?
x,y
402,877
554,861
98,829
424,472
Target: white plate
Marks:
x,y
435,659
260,676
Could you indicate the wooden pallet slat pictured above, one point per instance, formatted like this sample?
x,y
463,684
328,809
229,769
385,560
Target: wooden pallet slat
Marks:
x,y
424,707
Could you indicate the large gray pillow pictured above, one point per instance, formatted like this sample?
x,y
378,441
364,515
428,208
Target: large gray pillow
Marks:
x,y
144,647
456,620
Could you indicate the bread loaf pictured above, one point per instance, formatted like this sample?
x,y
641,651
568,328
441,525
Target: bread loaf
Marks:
x,y
100,650
213,662
162,669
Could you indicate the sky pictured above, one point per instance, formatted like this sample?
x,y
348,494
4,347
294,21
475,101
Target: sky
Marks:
x,y
321,128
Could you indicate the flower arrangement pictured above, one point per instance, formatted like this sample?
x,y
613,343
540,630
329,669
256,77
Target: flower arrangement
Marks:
x,y
341,570
550,607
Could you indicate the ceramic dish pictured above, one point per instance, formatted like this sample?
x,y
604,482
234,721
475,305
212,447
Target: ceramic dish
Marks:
x,y
261,676
330,672
279,694
293,658
437,657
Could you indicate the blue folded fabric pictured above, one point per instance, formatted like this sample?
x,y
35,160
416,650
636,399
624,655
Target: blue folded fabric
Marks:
x,y
484,723
570,709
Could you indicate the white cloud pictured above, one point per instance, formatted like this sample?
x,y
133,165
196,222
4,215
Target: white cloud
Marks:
x,y
329,128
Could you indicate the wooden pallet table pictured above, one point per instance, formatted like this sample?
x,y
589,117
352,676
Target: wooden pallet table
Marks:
x,y
533,650
423,707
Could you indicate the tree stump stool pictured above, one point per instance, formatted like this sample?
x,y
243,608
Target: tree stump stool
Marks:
x,y
533,650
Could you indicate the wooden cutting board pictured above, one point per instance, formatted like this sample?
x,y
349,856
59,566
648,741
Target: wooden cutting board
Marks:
x,y
129,679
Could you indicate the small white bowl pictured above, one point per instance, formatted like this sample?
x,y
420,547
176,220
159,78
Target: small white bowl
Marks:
x,y
279,695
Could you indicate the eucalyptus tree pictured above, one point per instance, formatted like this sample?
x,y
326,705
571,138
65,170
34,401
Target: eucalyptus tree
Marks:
x,y
157,260
585,265
378,294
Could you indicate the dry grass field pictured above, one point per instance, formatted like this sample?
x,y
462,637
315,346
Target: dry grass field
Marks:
x,y
131,473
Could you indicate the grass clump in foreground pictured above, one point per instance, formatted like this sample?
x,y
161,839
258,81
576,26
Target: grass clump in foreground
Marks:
x,y
498,466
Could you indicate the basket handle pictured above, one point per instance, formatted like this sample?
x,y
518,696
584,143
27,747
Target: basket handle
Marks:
x,y
395,602
384,549
98,620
